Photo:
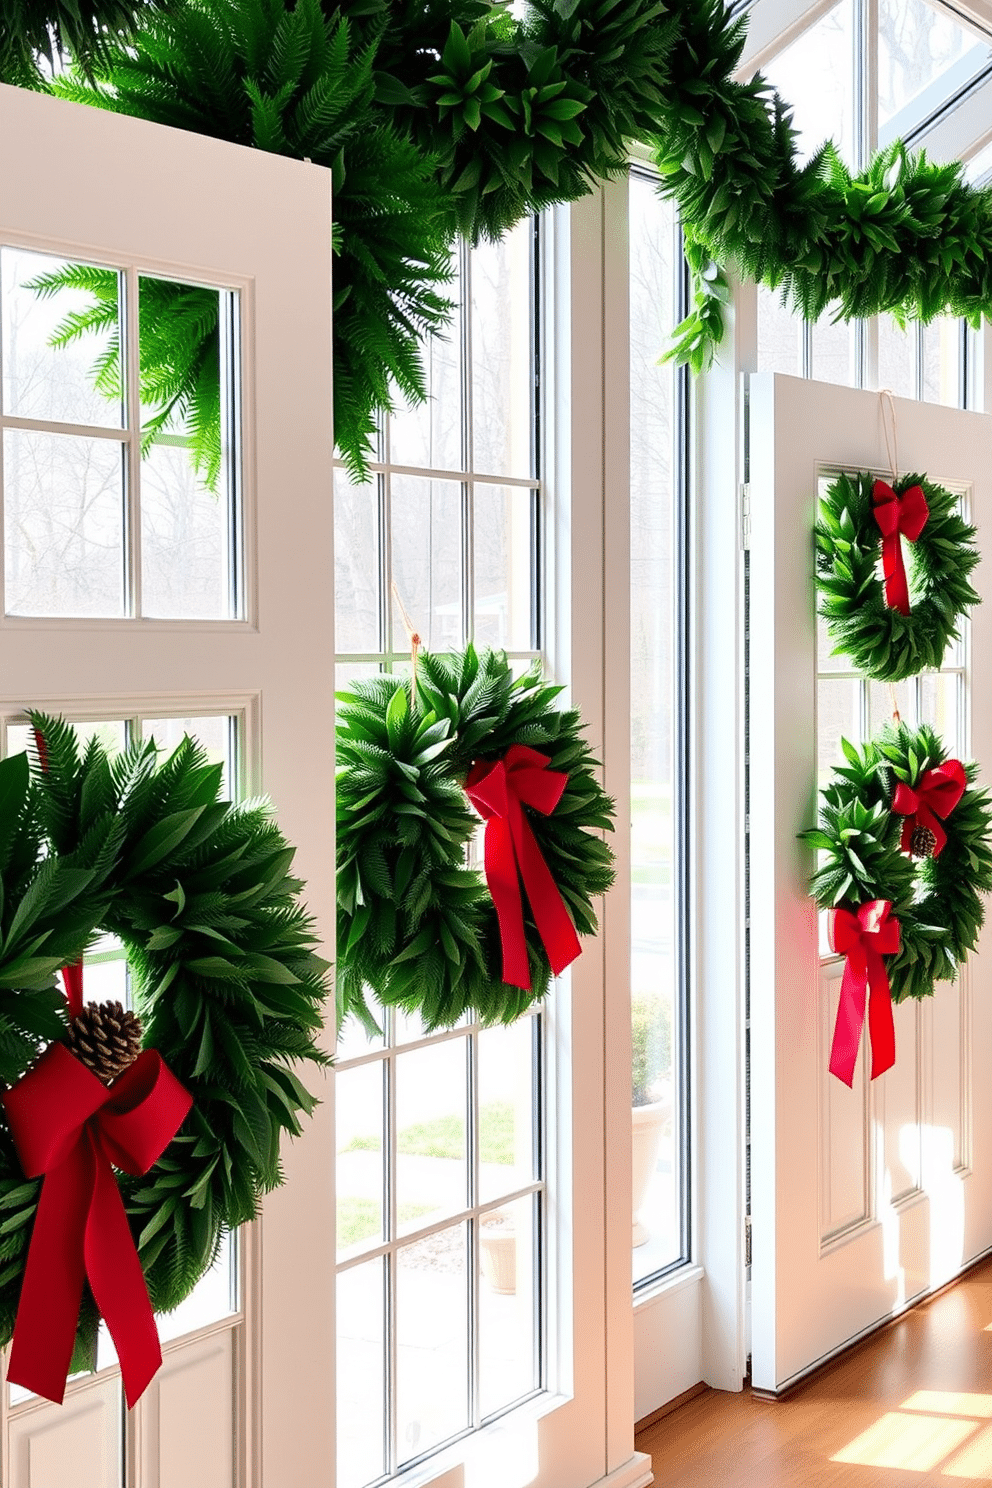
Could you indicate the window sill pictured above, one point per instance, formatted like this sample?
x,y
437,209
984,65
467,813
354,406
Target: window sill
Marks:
x,y
676,1281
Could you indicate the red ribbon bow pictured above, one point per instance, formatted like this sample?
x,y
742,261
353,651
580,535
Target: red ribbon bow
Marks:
x,y
864,938
499,790
907,515
68,1126
936,795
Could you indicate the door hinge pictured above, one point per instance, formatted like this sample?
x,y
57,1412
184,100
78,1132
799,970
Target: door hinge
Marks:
x,y
746,517
747,1239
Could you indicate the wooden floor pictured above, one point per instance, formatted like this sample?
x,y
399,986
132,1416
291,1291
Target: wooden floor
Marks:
x,y
912,1406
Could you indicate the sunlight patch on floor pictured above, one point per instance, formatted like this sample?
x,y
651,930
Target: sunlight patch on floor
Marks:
x,y
949,1403
916,1443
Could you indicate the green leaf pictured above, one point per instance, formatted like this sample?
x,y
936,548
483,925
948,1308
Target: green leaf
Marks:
x,y
161,840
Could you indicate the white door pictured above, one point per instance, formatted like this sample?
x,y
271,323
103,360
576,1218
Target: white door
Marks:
x,y
142,599
862,1199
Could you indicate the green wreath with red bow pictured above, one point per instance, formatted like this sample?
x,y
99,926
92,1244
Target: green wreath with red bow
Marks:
x,y
891,618
132,1140
420,927
904,857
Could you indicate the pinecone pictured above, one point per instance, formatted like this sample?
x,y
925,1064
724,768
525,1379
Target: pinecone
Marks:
x,y
922,842
106,1038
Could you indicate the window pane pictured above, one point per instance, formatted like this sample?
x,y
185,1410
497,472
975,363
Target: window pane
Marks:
x,y
780,333
897,357
504,567
63,524
360,1176
508,1311
430,435
502,340
214,1296
112,735
431,1168
653,719
427,568
506,1109
431,1341
942,362
924,57
186,549
356,564
360,1374
942,707
825,110
833,351
838,716
887,698
188,471
76,381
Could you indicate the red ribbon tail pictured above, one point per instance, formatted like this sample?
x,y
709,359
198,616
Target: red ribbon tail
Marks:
x,y
894,568
72,976
850,1021
550,915
48,1309
118,1284
881,1027
504,886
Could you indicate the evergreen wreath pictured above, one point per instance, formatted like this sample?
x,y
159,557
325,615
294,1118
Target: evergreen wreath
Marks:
x,y
883,642
416,924
935,898
225,979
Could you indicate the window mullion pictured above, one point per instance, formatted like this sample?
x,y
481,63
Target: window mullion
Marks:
x,y
391,1341
131,356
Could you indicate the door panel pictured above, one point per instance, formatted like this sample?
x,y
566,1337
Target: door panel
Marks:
x,y
232,1407
862,1200
85,1431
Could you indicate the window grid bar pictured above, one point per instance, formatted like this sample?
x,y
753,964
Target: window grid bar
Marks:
x,y
539,1159
131,355
391,658
473,1259
468,562
232,445
391,1340
384,521
428,1041
460,1216
56,426
441,472
468,455
944,671
467,354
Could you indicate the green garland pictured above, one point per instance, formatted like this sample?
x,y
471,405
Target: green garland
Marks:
x,y
881,642
415,924
460,119
34,29
223,969
936,900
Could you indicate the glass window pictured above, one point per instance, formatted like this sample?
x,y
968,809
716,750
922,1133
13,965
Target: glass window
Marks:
x,y
120,481
440,1172
922,57
825,52
925,56
658,1031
